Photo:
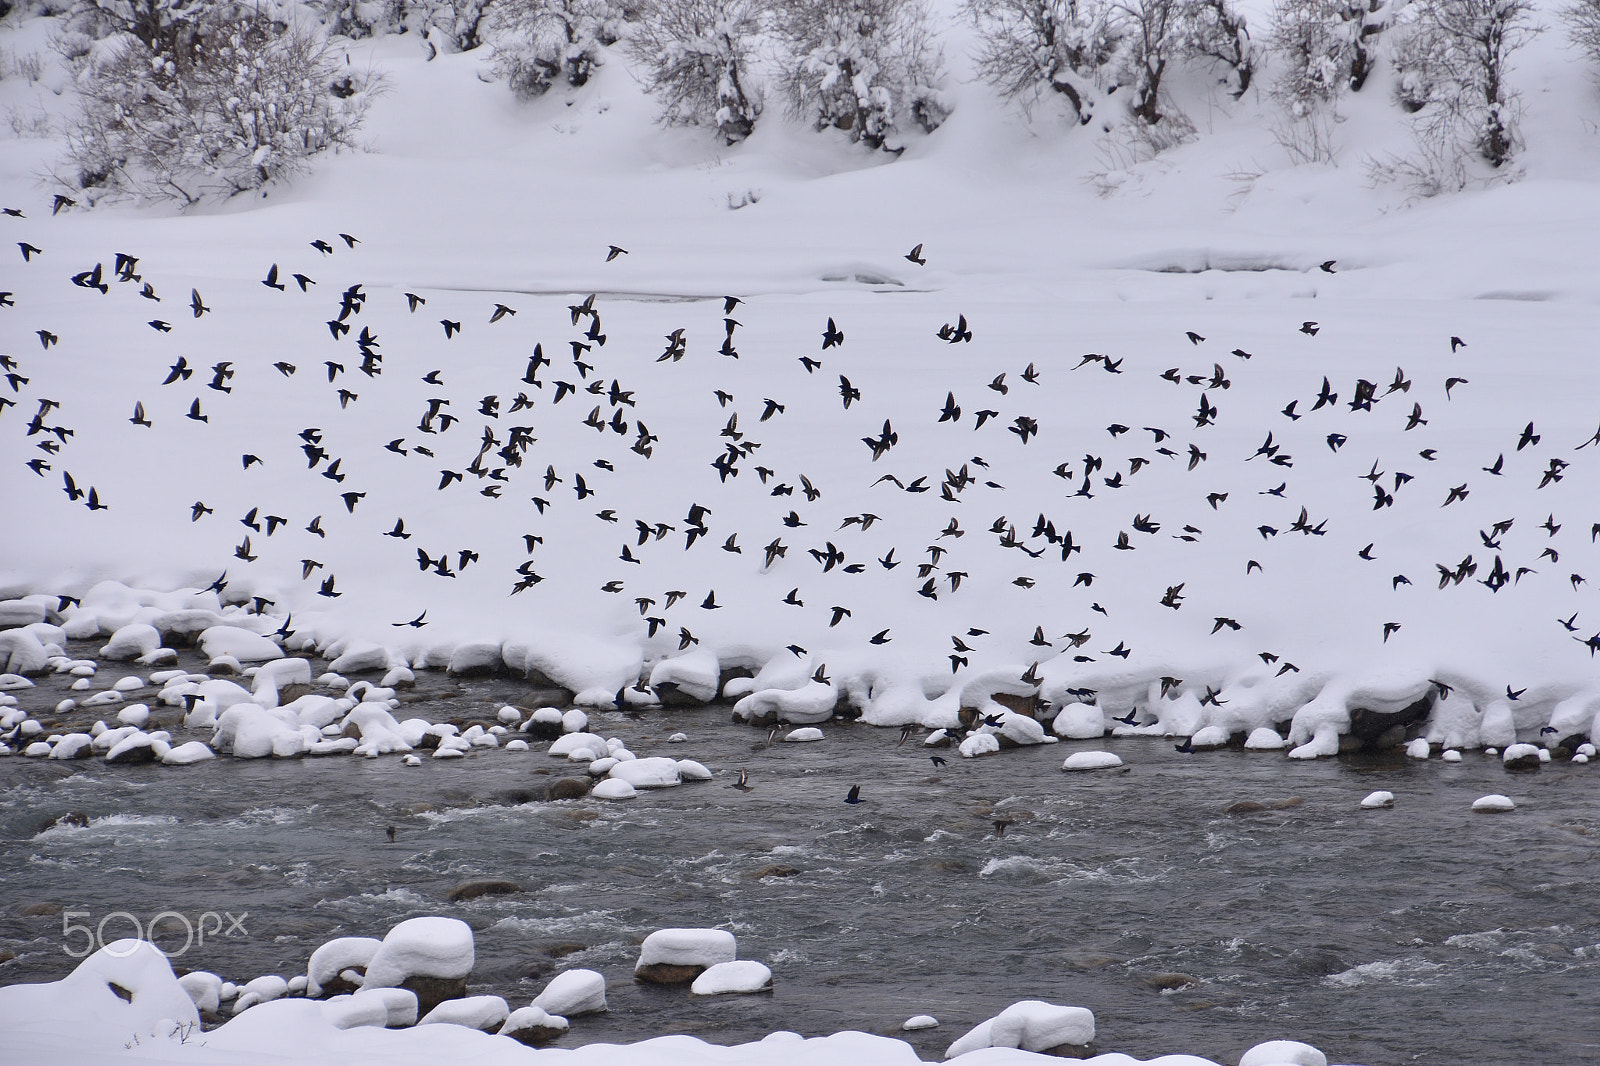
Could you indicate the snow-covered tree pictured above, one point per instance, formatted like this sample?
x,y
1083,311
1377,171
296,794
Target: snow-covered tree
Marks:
x,y
158,23
1216,31
537,42
696,57
864,66
1327,46
1583,23
1453,60
365,18
1154,33
225,101
456,24
1033,47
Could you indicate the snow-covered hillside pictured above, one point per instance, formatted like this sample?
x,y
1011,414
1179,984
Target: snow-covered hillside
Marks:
x,y
1054,242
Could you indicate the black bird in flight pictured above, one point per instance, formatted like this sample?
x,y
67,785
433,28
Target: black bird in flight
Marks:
x,y
915,256
832,337
271,280
613,251
854,795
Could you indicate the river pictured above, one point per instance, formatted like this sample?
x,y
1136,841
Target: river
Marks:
x,y
1423,933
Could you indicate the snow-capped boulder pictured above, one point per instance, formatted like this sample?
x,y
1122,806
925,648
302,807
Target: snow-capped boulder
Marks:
x,y
533,1026
131,641
657,772
740,977
1283,1053
1079,721
430,956
333,958
1032,1025
811,704
486,1013
614,789
572,993
205,990
1091,760
674,956
237,643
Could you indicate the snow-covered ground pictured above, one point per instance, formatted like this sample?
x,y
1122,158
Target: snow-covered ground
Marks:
x,y
1278,562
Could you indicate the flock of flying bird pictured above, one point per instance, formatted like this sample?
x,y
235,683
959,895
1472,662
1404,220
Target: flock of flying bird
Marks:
x,y
502,462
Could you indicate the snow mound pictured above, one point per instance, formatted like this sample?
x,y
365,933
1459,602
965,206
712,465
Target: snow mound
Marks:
x,y
123,994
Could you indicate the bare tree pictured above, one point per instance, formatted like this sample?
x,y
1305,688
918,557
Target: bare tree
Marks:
x,y
696,57
1583,23
861,66
223,102
1031,47
1453,60
537,42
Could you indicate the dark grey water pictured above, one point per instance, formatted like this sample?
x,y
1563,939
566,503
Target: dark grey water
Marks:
x,y
1424,933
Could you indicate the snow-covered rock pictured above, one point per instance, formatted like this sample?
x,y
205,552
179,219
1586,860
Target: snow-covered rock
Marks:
x,y
655,772
237,643
740,977
422,947
533,1026
1493,804
1378,800
1091,760
132,641
1030,1025
811,704
614,789
487,1013
335,957
670,956
573,992
1264,739
695,675
1283,1053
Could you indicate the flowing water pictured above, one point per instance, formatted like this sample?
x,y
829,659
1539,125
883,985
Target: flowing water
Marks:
x,y
1423,933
